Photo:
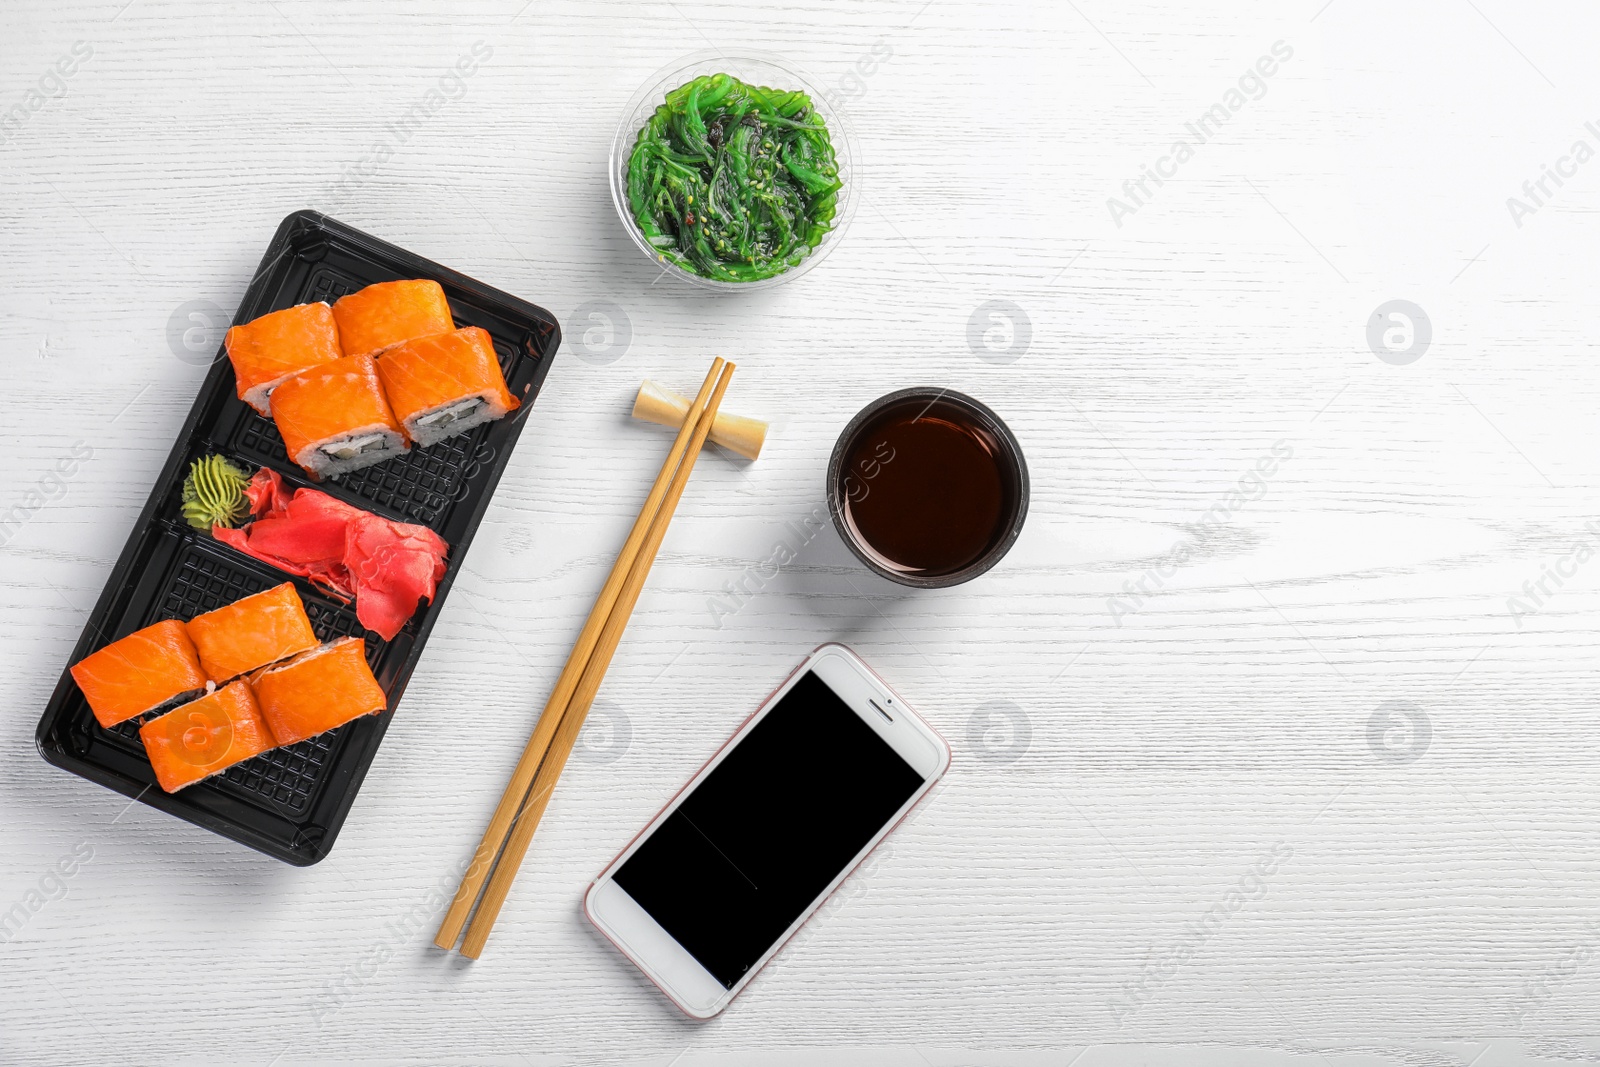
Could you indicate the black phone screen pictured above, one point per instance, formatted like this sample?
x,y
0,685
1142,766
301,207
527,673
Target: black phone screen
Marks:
x,y
764,833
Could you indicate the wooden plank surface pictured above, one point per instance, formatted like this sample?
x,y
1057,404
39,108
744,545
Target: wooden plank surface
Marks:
x,y
1269,746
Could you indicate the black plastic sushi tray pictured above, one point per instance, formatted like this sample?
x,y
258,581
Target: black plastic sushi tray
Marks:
x,y
292,801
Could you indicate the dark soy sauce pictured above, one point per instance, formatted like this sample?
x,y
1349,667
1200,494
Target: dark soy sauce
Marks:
x,y
927,488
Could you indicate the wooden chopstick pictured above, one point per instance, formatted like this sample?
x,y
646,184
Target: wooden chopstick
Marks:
x,y
516,792
566,735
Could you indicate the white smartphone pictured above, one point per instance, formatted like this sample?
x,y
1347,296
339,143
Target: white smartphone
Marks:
x,y
728,871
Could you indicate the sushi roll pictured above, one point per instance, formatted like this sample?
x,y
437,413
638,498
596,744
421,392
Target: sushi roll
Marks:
x,y
319,691
253,632
444,385
334,418
206,736
149,670
267,350
379,317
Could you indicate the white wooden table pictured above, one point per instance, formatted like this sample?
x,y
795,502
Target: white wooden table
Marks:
x,y
1270,745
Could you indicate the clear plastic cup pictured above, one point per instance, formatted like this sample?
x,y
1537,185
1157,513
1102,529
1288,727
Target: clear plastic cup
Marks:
x,y
755,68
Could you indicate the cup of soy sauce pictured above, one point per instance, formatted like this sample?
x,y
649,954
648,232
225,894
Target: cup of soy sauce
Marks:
x,y
928,487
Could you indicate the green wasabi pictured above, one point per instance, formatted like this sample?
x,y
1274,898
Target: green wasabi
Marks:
x,y
213,494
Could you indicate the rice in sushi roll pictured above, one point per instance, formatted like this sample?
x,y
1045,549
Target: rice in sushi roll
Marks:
x,y
204,737
445,385
319,691
267,350
334,418
146,671
379,317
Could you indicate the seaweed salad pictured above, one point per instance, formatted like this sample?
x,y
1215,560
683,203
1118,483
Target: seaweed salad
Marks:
x,y
734,182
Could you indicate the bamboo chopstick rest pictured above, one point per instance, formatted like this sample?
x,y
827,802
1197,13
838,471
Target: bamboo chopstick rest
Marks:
x,y
663,407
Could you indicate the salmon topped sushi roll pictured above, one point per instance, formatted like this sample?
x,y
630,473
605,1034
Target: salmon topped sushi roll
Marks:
x,y
148,670
334,418
206,736
319,691
253,632
444,385
267,350
379,317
